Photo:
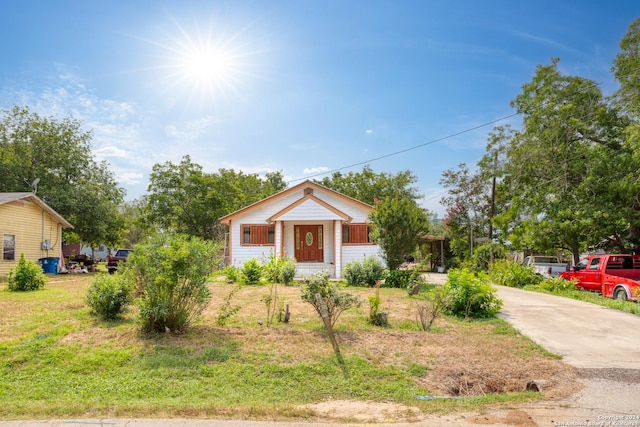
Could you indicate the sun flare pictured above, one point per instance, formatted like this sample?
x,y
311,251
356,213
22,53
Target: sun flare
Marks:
x,y
205,65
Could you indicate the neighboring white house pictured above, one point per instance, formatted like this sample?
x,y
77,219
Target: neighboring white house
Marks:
x,y
321,228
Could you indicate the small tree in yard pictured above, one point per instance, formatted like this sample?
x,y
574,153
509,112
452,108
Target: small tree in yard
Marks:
x,y
398,225
171,278
331,297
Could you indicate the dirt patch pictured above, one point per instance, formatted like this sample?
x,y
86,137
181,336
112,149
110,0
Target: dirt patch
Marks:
x,y
365,412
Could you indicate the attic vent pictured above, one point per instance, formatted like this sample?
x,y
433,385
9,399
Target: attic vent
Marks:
x,y
308,191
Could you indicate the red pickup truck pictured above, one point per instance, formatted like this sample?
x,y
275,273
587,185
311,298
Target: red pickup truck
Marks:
x,y
114,260
612,275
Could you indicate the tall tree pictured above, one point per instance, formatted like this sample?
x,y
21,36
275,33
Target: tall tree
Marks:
x,y
367,186
184,199
467,203
626,69
57,152
558,173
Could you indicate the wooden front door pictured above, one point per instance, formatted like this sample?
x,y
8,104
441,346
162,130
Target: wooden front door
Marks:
x,y
309,243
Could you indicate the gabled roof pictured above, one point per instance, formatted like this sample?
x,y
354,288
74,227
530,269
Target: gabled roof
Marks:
x,y
227,218
14,197
332,213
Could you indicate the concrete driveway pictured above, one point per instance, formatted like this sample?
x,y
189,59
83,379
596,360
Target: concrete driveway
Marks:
x,y
584,334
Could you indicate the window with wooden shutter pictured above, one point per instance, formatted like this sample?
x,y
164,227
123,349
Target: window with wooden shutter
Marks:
x,y
258,235
355,234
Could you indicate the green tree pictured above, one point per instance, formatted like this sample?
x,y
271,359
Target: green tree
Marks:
x,y
57,153
367,186
626,69
467,205
558,175
398,225
136,228
184,199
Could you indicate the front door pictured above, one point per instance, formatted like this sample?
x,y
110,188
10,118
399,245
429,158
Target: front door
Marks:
x,y
309,243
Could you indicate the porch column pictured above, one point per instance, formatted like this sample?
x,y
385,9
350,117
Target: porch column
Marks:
x,y
337,263
278,239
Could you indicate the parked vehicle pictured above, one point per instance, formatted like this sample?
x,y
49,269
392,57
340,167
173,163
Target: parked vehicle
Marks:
x,y
547,266
612,275
120,256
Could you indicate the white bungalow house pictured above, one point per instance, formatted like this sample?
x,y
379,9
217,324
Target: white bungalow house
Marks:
x,y
321,228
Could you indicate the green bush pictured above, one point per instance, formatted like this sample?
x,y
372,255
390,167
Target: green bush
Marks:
x,y
354,273
287,271
171,273
557,284
399,278
470,295
367,272
332,298
108,295
232,273
251,271
484,255
279,270
373,270
512,274
26,276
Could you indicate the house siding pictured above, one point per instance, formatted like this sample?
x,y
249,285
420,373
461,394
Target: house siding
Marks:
x,y
287,210
31,225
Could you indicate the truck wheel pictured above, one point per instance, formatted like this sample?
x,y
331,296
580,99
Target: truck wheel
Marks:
x,y
620,294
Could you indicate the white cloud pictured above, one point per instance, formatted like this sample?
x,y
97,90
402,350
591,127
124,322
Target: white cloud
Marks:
x,y
318,169
368,131
111,151
191,130
129,178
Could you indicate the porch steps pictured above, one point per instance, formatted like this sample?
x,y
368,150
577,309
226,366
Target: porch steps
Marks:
x,y
304,269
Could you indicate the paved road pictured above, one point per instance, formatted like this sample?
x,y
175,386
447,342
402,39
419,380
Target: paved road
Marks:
x,y
603,343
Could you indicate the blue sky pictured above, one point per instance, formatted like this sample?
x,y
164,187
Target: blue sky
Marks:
x,y
303,87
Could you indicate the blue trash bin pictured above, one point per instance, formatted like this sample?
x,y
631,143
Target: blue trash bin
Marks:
x,y
49,264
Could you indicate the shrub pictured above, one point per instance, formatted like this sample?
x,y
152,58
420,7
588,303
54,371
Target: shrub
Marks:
x,y
108,295
287,271
251,271
484,256
470,295
279,270
377,317
512,274
416,283
557,284
26,276
227,311
367,272
373,270
171,274
399,278
431,308
354,273
332,298
231,272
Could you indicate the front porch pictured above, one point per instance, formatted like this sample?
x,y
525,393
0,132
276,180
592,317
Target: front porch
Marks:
x,y
304,269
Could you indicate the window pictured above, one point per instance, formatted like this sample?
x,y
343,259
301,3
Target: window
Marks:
x,y
258,234
9,247
356,233
594,264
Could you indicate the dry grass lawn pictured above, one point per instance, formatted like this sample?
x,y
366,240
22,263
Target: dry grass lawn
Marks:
x,y
457,358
